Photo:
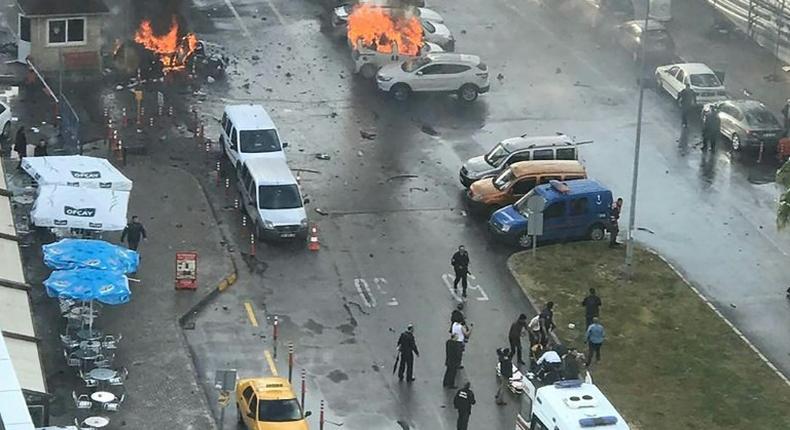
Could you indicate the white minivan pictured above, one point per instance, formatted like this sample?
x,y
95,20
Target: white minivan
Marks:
x,y
272,199
248,132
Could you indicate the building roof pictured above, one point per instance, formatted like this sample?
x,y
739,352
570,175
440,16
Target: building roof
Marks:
x,y
62,7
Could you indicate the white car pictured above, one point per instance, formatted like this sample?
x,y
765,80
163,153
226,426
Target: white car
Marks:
x,y
462,74
438,33
5,120
368,61
704,82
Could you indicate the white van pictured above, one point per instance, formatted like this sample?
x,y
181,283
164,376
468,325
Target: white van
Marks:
x,y
272,199
247,133
567,405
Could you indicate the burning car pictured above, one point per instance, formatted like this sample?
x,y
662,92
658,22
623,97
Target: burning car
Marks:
x,y
340,14
368,60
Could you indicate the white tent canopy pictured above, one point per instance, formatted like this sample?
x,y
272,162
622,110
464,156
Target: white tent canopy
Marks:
x,y
70,207
76,171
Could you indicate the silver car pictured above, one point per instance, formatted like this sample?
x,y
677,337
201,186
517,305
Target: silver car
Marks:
x,y
514,149
748,123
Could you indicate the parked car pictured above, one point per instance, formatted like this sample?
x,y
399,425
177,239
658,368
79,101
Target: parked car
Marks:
x,y
461,74
439,34
660,48
519,179
269,403
747,123
5,120
577,209
515,149
604,14
708,85
248,132
368,61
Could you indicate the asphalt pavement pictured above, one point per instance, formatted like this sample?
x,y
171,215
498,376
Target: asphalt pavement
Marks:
x,y
387,238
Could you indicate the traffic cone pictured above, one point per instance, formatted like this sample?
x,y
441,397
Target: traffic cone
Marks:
x,y
313,244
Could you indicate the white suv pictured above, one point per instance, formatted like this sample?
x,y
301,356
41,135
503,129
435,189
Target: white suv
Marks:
x,y
463,74
368,61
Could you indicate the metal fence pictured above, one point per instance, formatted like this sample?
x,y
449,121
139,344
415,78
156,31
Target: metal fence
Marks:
x,y
69,127
764,21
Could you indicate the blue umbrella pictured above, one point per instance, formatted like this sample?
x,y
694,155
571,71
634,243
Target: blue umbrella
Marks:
x,y
108,287
89,253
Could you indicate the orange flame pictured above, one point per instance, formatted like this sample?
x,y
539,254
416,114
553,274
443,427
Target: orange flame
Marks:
x,y
173,51
378,27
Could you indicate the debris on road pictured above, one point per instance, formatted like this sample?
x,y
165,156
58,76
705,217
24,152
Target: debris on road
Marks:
x,y
429,130
367,134
558,71
424,189
403,176
321,211
360,153
323,156
500,77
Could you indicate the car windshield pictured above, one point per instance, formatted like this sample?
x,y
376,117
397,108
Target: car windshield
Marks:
x,y
428,26
496,155
279,197
705,80
761,117
412,65
503,179
279,410
521,205
257,141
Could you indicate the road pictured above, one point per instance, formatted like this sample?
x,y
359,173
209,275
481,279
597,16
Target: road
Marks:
x,y
387,239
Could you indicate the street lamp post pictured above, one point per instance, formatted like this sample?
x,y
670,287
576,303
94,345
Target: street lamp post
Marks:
x,y
629,244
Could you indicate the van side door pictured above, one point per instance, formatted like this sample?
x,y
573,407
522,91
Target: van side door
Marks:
x,y
579,217
524,412
554,220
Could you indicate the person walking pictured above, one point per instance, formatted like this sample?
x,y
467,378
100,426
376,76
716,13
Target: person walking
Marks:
x,y
592,304
457,316
407,347
688,99
460,263
534,331
711,128
786,115
41,149
463,401
546,323
461,331
452,359
614,222
20,144
595,337
514,337
133,233
505,372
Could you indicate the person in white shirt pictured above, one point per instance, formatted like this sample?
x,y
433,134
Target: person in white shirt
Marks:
x,y
461,333
549,365
533,328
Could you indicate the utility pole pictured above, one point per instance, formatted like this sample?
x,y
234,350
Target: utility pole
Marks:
x,y
629,244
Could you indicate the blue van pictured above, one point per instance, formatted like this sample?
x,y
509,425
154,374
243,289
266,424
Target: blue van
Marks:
x,y
575,209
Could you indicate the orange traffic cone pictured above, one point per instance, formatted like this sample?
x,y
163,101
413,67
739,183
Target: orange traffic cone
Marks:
x,y
312,243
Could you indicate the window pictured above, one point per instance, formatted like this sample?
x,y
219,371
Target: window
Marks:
x,y
543,154
228,126
2,108
579,206
24,28
454,68
254,406
707,80
233,142
496,155
673,71
66,31
435,69
547,178
280,410
521,156
537,425
279,197
253,195
566,154
523,186
247,393
259,141
681,75
554,210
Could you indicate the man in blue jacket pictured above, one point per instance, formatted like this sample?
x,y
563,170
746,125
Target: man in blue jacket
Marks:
x,y
595,337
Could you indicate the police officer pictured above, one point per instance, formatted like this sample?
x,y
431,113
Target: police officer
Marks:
x,y
688,99
505,372
514,336
614,226
407,348
452,359
133,232
711,128
463,401
460,263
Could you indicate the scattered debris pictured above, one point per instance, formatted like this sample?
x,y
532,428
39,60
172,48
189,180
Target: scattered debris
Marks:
x,y
321,212
579,84
210,79
322,156
429,130
359,153
424,189
463,213
255,58
646,229
333,115
732,305
288,74
500,77
367,134
463,31
558,71
118,87
404,176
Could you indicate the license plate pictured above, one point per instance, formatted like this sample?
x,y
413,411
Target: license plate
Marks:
x,y
769,134
287,235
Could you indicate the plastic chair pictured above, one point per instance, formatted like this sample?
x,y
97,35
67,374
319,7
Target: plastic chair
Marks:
x,y
89,382
104,361
81,402
122,376
111,342
69,342
71,360
114,406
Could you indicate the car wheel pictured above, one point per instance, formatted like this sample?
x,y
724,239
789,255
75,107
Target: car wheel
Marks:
x,y
525,240
468,93
6,130
368,71
659,85
400,92
597,232
736,142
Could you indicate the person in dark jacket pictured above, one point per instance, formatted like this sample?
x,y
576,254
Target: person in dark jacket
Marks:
x,y
614,222
20,144
546,323
463,401
133,233
407,347
688,99
460,263
711,129
514,337
452,359
786,115
41,149
505,372
592,304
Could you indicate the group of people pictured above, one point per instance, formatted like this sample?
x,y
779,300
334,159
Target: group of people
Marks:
x,y
711,124
20,146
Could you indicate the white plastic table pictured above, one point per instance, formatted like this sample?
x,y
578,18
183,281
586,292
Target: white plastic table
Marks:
x,y
103,397
96,422
102,374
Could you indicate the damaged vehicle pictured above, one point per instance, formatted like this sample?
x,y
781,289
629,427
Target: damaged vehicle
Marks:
x,y
368,60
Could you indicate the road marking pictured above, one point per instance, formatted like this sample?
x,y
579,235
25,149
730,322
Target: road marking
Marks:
x,y
379,282
251,314
272,366
238,18
276,12
364,292
448,279
393,302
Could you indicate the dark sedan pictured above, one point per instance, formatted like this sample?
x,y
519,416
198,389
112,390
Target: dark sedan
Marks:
x,y
748,123
660,48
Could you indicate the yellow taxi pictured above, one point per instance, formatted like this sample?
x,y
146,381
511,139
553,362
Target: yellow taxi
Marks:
x,y
269,403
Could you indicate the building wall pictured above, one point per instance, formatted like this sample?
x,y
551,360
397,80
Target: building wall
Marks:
x,y
46,58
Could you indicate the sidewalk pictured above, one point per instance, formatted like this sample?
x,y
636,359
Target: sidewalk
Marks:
x,y
747,65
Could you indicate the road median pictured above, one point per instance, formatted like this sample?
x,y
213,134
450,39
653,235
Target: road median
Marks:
x,y
669,361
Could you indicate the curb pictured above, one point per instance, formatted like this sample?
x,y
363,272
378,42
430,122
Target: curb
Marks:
x,y
509,264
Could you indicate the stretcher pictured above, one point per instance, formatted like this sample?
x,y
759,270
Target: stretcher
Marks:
x,y
518,383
